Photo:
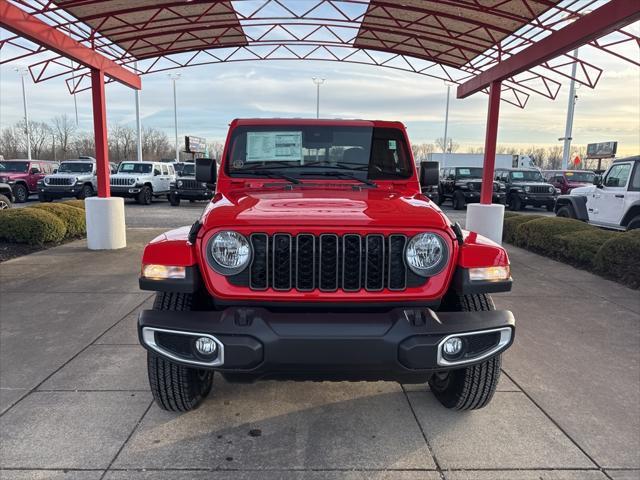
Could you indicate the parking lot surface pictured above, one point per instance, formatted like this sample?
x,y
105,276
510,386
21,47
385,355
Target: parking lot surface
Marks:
x,y
75,404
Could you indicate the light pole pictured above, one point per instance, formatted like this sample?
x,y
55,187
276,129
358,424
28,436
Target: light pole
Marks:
x,y
22,72
446,121
318,81
174,77
566,149
138,123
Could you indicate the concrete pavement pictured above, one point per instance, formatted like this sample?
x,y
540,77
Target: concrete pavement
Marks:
x,y
75,402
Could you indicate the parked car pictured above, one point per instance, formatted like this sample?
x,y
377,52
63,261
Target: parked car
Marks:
x,y
567,180
142,180
6,196
462,185
613,201
186,187
526,187
23,176
73,178
319,258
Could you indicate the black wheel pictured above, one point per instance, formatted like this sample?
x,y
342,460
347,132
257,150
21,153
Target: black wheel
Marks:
x,y
85,192
175,387
145,196
458,200
634,223
20,193
515,203
4,202
472,387
174,199
566,211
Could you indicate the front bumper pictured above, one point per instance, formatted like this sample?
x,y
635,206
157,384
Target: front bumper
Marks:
x,y
537,200
60,191
192,194
125,191
474,196
400,344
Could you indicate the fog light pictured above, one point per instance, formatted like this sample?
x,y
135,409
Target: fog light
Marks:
x,y
206,346
452,347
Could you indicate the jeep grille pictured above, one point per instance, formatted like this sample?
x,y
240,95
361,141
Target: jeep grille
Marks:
x,y
328,262
539,189
122,182
191,185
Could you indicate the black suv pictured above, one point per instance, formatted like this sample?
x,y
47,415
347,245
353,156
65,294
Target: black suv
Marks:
x,y
186,187
462,185
526,187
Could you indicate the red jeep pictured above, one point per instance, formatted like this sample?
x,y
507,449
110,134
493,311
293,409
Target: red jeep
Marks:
x,y
24,175
319,258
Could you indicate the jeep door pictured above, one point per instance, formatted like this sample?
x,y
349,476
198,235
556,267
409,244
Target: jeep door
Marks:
x,y
606,207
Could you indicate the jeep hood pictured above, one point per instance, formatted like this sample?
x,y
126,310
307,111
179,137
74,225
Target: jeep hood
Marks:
x,y
323,207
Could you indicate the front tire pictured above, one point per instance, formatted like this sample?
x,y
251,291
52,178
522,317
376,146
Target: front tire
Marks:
x,y
566,212
176,388
634,223
145,196
472,387
85,192
458,200
4,202
515,204
174,200
20,193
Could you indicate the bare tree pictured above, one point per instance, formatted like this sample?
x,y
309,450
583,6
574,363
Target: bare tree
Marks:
x,y
84,144
39,135
215,149
155,145
554,157
422,150
452,147
10,145
64,129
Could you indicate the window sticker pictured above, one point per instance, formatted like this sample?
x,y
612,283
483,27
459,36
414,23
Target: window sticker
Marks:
x,y
464,171
274,146
517,174
392,145
569,174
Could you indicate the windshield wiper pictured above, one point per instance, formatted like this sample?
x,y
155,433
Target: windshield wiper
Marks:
x,y
266,173
343,175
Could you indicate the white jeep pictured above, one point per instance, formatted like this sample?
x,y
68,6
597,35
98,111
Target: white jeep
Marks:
x,y
73,178
613,201
142,180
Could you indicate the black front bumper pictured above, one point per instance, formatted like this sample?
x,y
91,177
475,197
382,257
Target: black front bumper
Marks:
x,y
192,194
400,344
60,191
474,196
537,200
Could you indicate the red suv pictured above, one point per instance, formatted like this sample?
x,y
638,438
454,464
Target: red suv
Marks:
x,y
23,176
319,258
567,180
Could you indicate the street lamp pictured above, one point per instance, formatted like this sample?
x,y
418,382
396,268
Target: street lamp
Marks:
x,y
318,82
138,123
174,77
23,72
446,121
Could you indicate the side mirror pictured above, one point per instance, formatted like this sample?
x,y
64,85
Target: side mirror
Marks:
x,y
55,170
429,174
206,171
597,180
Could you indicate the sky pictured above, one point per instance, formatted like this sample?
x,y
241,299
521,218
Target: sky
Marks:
x,y
210,96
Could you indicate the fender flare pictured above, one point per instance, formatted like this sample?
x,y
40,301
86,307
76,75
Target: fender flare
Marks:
x,y
577,202
632,212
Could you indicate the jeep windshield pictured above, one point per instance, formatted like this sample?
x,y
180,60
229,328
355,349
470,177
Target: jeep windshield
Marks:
x,y
303,152
526,176
580,177
75,167
465,173
15,167
131,167
188,170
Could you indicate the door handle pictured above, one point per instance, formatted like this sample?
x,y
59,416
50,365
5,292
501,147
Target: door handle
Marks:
x,y
620,196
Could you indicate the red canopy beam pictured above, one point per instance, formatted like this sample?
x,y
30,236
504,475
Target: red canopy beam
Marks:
x,y
602,21
27,26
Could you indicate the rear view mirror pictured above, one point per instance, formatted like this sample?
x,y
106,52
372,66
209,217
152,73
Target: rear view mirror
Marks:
x,y
429,174
206,171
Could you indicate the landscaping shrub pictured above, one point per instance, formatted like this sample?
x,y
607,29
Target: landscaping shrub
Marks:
x,y
72,217
511,224
508,214
31,225
619,258
540,235
581,247
74,203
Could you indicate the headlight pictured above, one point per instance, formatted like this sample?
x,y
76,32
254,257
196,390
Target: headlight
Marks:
x,y
229,252
527,188
552,189
470,186
203,184
46,180
179,183
426,254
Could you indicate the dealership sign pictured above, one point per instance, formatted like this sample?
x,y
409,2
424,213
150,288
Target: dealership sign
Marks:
x,y
602,150
195,144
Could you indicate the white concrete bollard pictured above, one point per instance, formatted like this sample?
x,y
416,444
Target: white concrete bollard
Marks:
x,y
106,229
486,220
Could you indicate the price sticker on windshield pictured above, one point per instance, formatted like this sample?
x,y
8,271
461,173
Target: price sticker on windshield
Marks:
x,y
274,146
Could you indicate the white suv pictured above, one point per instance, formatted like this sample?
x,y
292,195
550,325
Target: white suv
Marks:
x,y
613,201
142,180
74,178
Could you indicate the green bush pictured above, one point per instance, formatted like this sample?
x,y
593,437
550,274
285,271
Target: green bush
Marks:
x,y
74,203
511,224
72,217
508,214
31,225
619,258
540,235
581,247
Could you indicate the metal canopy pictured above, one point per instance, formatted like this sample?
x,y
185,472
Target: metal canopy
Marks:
x,y
453,40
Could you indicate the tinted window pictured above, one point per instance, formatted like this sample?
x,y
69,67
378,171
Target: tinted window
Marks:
x,y
189,169
131,167
635,180
75,167
618,175
468,173
582,177
16,167
526,176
